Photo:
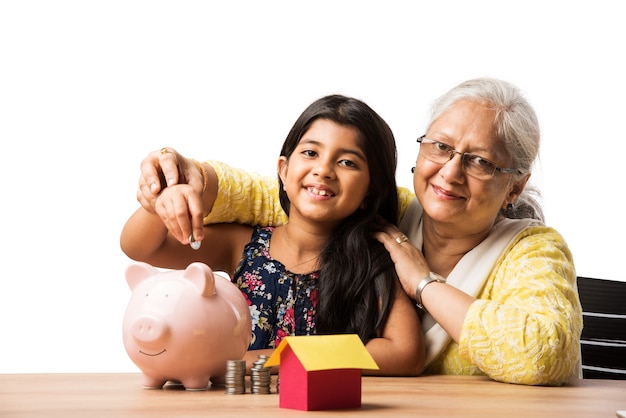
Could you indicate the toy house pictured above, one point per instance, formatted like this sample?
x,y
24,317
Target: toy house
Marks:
x,y
320,372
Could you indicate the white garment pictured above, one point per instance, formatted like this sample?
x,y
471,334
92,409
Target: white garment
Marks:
x,y
470,273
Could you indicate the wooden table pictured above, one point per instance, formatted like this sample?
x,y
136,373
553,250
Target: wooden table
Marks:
x,y
121,395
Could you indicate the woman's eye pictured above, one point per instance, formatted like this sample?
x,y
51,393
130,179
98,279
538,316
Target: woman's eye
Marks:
x,y
441,147
479,161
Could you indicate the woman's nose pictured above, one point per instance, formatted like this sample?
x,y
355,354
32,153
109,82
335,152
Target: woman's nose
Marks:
x,y
453,168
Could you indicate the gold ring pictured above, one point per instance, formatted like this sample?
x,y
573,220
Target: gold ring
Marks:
x,y
401,239
164,150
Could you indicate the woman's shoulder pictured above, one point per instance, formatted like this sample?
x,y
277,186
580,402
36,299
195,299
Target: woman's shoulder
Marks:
x,y
405,197
540,241
539,233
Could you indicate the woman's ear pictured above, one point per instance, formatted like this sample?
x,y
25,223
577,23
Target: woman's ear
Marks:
x,y
517,188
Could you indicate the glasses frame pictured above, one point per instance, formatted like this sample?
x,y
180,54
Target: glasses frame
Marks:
x,y
452,151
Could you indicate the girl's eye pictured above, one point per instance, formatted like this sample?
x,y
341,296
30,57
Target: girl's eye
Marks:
x,y
348,163
309,153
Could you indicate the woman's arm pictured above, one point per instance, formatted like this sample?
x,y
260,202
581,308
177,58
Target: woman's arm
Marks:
x,y
252,199
221,194
525,327
244,197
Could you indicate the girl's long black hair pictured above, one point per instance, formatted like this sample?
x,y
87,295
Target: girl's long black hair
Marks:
x,y
357,279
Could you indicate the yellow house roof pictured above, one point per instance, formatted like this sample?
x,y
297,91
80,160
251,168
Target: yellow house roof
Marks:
x,y
325,352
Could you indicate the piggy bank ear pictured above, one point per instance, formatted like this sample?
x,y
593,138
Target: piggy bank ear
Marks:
x,y
137,273
201,276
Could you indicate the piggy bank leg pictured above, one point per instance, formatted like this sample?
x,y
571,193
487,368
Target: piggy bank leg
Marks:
x,y
152,382
196,383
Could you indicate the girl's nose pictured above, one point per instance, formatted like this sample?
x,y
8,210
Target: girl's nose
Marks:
x,y
323,169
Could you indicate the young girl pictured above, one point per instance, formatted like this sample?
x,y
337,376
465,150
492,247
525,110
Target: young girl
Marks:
x,y
322,272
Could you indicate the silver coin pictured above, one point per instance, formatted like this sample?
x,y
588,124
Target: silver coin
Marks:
x,y
193,243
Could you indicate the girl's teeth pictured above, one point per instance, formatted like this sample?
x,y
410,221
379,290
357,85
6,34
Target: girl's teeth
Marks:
x,y
321,192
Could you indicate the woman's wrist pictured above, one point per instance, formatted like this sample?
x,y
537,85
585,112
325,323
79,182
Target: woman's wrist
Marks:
x,y
203,173
211,184
432,277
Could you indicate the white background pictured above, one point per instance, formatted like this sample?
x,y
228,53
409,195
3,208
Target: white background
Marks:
x,y
88,88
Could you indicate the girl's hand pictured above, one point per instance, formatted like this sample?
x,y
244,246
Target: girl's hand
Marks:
x,y
180,208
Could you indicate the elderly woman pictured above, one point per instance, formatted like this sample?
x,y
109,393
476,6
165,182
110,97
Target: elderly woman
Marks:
x,y
496,286
502,289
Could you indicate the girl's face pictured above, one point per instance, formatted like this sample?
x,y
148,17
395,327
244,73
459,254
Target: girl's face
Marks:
x,y
327,176
446,192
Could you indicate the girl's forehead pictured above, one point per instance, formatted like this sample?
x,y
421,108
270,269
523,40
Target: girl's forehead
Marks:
x,y
326,131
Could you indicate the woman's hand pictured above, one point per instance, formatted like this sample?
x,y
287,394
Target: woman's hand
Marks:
x,y
163,168
171,186
411,266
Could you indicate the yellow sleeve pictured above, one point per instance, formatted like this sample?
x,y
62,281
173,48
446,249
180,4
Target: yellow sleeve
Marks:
x,y
525,328
245,198
252,199
405,196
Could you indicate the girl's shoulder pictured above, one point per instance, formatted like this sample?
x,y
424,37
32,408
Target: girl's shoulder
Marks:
x,y
263,233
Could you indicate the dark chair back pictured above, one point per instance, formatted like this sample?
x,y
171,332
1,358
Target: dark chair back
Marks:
x,y
603,340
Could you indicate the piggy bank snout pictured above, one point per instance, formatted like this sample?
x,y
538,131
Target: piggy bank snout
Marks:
x,y
149,329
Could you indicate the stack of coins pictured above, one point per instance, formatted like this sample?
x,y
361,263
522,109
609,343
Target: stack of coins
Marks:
x,y
260,377
235,378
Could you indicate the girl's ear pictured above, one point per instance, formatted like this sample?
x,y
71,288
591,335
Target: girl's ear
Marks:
x,y
283,165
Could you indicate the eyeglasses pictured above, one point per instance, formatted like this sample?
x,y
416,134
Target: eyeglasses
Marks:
x,y
472,164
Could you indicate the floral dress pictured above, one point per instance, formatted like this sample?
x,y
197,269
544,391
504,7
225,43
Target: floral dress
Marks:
x,y
281,303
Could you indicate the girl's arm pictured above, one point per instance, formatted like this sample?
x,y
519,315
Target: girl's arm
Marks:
x,y
400,349
149,238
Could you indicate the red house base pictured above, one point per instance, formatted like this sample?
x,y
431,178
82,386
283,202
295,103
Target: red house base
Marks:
x,y
317,390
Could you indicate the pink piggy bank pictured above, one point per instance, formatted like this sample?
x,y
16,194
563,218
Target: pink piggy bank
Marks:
x,y
183,325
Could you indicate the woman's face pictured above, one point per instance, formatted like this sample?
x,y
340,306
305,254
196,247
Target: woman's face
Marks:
x,y
447,193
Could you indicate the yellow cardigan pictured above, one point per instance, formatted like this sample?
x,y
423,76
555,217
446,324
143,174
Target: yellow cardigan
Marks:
x,y
525,326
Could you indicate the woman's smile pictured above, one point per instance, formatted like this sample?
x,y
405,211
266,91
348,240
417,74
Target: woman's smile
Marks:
x,y
445,194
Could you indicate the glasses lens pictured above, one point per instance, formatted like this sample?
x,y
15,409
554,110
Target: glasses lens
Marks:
x,y
437,152
478,167
473,165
